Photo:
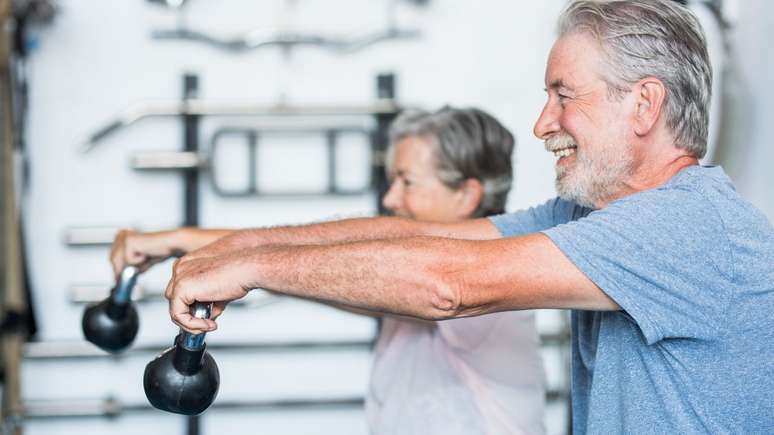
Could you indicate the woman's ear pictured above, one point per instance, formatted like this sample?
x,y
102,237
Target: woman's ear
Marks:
x,y
470,195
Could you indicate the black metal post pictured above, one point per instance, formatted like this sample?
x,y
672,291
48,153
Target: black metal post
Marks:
x,y
191,144
331,144
385,90
191,184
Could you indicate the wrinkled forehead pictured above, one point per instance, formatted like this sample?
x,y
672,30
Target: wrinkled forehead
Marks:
x,y
574,58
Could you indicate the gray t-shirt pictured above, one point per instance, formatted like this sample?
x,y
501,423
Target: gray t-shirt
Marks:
x,y
692,266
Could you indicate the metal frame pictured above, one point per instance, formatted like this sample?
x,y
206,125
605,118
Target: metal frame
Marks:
x,y
72,349
284,39
79,349
201,107
253,137
111,407
190,110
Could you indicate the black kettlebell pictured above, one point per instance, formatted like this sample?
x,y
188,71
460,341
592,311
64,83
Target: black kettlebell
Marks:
x,y
183,379
113,323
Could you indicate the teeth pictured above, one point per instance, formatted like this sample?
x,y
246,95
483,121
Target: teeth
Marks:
x,y
564,152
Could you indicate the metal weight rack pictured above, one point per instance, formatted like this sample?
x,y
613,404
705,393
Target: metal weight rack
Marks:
x,y
193,163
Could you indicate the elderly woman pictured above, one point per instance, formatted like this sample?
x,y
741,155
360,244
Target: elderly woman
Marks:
x,y
480,375
463,376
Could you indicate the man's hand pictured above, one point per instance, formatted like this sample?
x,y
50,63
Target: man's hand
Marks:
x,y
141,249
218,279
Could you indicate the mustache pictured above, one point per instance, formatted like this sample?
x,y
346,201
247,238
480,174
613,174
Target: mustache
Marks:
x,y
558,142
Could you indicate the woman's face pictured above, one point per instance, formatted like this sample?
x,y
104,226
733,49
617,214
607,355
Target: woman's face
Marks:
x,y
415,190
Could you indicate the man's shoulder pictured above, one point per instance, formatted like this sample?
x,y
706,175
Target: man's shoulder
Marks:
x,y
694,193
698,211
706,183
708,194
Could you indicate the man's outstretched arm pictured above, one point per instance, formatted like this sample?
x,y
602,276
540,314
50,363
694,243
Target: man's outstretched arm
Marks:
x,y
146,249
425,277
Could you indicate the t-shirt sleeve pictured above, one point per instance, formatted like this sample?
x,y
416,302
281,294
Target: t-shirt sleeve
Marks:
x,y
662,256
534,219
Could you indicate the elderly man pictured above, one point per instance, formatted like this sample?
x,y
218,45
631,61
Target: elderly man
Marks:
x,y
670,272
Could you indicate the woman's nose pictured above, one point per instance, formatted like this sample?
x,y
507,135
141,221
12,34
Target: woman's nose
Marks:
x,y
392,199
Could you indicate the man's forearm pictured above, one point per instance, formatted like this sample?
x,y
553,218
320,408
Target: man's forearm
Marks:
x,y
403,276
429,277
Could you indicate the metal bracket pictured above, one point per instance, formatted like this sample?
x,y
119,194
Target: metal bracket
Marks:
x,y
252,138
286,40
71,349
139,111
166,160
111,407
182,160
90,293
89,236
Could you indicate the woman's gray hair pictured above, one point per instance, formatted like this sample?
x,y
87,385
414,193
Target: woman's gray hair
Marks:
x,y
652,38
468,143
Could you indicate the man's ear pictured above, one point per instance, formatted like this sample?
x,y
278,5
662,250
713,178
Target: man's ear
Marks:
x,y
650,96
470,195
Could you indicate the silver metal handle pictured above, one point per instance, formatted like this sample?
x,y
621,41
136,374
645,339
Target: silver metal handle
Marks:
x,y
201,310
122,293
165,160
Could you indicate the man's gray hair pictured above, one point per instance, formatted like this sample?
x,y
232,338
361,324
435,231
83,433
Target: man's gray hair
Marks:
x,y
468,143
652,38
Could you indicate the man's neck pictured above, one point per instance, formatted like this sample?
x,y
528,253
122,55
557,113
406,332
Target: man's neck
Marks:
x,y
651,177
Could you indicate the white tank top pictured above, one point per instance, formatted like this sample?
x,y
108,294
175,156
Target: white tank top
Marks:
x,y
478,375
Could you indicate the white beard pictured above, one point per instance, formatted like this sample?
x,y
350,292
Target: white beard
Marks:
x,y
592,179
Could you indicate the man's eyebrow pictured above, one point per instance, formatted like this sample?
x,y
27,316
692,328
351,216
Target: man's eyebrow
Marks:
x,y
556,84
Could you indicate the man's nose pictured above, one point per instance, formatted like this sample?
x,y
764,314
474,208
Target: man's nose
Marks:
x,y
548,122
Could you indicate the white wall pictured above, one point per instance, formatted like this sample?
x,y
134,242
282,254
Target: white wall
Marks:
x,y
745,147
